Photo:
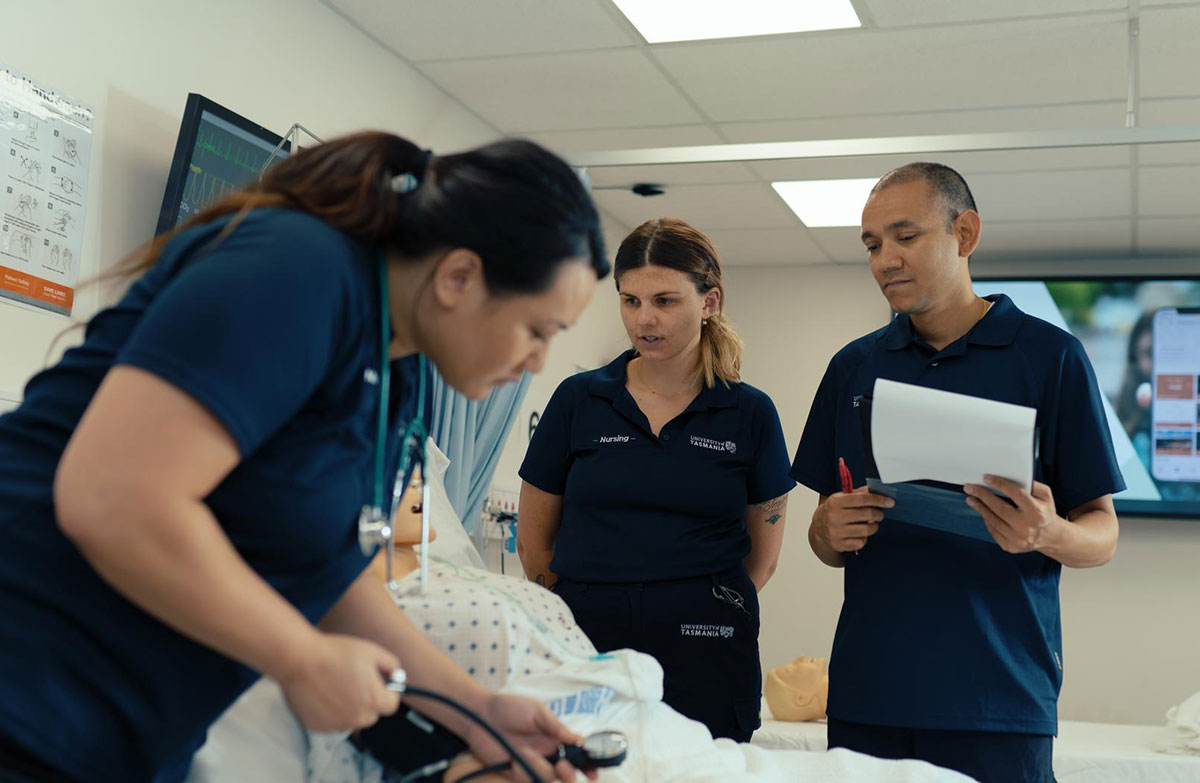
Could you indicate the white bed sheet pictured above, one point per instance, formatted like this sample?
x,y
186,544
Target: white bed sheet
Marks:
x,y
1083,752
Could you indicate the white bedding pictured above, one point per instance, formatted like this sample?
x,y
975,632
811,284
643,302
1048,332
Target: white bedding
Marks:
x,y
517,637
1083,752
259,740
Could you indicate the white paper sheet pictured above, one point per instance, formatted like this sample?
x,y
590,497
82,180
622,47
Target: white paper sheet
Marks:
x,y
927,434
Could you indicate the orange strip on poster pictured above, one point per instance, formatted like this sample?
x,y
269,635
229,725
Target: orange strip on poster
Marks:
x,y
36,288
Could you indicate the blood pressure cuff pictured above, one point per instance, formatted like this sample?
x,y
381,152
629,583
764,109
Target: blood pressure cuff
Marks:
x,y
407,741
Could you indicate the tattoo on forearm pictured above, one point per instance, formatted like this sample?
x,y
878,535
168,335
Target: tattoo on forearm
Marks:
x,y
773,505
774,518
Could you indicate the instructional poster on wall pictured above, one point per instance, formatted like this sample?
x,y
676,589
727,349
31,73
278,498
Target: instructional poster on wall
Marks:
x,y
45,147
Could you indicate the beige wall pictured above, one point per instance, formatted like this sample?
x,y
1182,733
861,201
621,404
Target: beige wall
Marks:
x,y
134,61
1130,628
593,341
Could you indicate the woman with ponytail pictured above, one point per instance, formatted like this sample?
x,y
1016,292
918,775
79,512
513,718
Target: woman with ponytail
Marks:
x,y
655,488
180,496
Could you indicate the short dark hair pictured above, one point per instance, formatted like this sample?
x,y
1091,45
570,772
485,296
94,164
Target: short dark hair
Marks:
x,y
945,183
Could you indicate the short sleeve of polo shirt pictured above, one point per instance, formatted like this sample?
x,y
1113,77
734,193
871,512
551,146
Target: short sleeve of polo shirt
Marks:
x,y
768,477
1086,467
250,327
815,465
548,459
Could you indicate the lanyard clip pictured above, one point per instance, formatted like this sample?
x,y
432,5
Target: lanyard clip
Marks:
x,y
730,596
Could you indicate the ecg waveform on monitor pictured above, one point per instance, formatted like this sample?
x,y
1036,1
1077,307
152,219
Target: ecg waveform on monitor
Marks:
x,y
202,191
221,163
219,148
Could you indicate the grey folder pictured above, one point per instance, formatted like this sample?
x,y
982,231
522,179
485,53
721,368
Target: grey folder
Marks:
x,y
933,507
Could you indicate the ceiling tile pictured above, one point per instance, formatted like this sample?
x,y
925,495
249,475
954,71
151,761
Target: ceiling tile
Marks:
x,y
627,138
767,247
869,72
450,29
565,91
966,163
1165,112
844,244
707,207
673,175
1110,114
1161,236
1055,238
1169,55
1169,191
890,13
1059,195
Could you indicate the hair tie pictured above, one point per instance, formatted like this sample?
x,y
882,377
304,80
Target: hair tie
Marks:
x,y
410,180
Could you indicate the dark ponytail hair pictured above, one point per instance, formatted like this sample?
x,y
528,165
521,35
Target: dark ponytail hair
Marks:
x,y
517,205
673,243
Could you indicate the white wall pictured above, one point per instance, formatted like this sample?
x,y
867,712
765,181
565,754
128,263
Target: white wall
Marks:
x,y
1130,628
593,341
134,61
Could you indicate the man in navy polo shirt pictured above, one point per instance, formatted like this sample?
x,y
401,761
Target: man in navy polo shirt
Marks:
x,y
949,649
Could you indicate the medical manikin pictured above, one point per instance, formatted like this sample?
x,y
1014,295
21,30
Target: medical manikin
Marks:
x,y
797,691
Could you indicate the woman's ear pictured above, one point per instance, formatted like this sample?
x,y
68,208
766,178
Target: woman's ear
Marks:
x,y
712,302
458,275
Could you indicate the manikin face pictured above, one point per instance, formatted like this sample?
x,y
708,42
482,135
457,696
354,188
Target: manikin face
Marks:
x,y
798,690
914,256
662,311
480,341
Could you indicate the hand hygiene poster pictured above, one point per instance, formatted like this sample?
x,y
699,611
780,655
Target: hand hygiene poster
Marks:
x,y
45,146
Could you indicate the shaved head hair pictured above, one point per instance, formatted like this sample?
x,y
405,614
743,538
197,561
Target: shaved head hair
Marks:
x,y
945,184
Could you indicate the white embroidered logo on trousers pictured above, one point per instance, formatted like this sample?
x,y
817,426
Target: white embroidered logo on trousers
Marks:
x,y
702,629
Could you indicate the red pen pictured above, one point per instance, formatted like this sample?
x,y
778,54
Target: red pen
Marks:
x,y
847,480
844,472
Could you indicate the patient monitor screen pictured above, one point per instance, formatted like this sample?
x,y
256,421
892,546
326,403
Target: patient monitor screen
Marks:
x,y
1143,339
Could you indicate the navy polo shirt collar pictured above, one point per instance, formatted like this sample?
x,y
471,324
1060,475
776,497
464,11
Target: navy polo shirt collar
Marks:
x,y
998,328
609,382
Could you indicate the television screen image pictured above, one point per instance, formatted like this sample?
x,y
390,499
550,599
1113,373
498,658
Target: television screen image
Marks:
x,y
217,153
1143,338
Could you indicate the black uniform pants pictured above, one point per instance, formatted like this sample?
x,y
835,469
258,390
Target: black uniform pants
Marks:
x,y
703,631
986,756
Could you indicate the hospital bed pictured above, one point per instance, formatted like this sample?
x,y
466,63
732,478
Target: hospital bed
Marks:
x,y
1083,752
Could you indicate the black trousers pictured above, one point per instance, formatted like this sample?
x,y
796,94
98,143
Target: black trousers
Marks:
x,y
989,757
703,631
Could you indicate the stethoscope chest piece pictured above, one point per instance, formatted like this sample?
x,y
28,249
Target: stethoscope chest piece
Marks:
x,y
374,530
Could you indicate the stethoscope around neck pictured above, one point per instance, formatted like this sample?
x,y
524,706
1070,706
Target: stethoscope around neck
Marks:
x,y
375,527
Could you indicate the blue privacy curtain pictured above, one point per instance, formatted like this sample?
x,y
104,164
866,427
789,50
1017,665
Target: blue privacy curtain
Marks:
x,y
472,434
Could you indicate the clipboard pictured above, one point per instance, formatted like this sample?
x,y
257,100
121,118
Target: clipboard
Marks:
x,y
932,507
929,504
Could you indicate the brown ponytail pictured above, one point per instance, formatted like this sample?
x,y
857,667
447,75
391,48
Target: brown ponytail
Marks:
x,y
720,351
672,243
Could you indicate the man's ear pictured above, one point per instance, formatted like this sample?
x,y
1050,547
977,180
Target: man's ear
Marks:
x,y
458,274
967,230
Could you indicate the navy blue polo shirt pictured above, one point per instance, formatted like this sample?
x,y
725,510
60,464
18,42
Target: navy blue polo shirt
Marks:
x,y
939,631
640,508
275,330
